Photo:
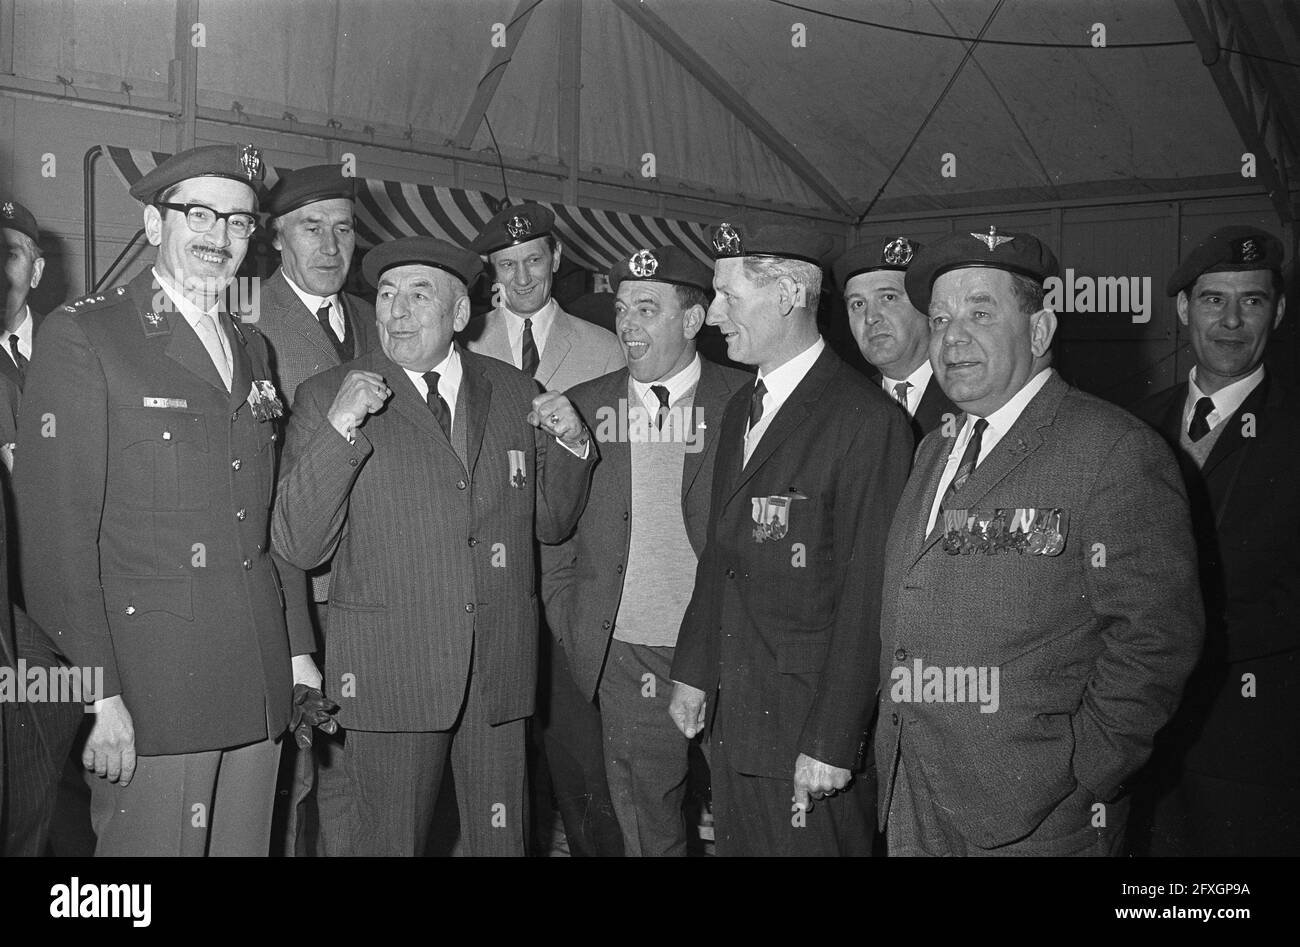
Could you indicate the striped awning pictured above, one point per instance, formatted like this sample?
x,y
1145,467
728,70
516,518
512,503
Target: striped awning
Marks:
x,y
594,239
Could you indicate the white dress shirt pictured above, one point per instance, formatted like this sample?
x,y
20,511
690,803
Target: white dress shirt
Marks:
x,y
543,319
779,384
678,386
918,380
216,343
1226,400
449,375
1000,421
24,333
313,304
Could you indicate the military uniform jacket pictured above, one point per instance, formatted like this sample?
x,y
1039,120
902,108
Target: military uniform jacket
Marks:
x,y
582,580
783,619
1246,512
1093,623
432,555
145,490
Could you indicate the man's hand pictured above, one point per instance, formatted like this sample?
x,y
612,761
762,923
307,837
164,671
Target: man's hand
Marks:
x,y
553,413
110,748
311,708
816,779
361,393
687,709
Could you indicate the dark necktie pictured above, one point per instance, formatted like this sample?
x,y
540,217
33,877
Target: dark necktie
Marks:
x,y
340,345
756,404
437,404
1200,425
19,359
967,466
662,394
531,359
900,393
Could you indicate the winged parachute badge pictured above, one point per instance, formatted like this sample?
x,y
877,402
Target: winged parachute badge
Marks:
x,y
992,239
643,264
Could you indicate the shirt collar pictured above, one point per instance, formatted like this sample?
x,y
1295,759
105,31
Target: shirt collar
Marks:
x,y
1228,398
542,320
1004,417
449,374
184,306
918,379
24,330
780,382
313,303
678,385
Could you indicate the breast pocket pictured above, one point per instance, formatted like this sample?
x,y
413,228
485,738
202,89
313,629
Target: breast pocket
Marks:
x,y
164,459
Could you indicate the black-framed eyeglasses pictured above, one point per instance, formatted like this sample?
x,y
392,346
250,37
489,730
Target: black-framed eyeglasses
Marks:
x,y
201,218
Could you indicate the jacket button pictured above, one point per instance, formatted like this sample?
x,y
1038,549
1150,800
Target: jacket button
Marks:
x,y
273,435
235,464
893,718
240,514
469,607
605,625
625,516
352,461
130,609
473,541
461,484
619,568
731,573
900,655
248,563
235,416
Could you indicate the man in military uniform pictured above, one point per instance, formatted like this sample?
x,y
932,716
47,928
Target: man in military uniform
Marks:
x,y
893,337
780,641
528,329
310,325
146,454
1227,775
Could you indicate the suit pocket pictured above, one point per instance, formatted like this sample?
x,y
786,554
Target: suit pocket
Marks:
x,y
800,657
346,606
135,598
164,459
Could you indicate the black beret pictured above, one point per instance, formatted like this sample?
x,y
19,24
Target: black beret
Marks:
x,y
1228,250
745,236
1020,253
662,265
242,163
319,182
512,226
426,251
894,254
14,216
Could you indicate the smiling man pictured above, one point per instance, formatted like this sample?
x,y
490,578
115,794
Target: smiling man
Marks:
x,y
420,468
615,593
777,650
1045,547
146,457
892,336
1228,775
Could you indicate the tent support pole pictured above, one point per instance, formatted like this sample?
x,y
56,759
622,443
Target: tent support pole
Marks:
x,y
569,115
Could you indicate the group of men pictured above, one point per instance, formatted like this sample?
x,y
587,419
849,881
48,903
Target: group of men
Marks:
x,y
328,547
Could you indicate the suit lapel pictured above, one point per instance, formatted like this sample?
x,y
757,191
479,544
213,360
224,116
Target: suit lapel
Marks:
x,y
1171,422
184,347
710,395
241,373
475,399
302,319
557,348
407,402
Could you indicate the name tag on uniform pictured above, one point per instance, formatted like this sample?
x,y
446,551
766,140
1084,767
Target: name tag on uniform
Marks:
x,y
1027,531
166,403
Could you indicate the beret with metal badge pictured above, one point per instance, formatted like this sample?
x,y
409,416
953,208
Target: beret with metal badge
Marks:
x,y
14,216
754,236
465,265
666,264
1019,253
513,225
1231,249
893,254
303,186
242,163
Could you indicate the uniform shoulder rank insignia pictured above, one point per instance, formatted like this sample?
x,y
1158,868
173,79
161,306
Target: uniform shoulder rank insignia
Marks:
x,y
1027,531
643,264
992,239
265,402
518,227
92,302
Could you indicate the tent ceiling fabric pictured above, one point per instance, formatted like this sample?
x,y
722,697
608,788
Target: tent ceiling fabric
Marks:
x,y
1039,122
386,210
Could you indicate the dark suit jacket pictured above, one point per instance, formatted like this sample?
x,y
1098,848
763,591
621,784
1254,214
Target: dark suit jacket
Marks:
x,y
1246,511
582,583
933,406
432,556
144,538
787,627
8,651
1092,644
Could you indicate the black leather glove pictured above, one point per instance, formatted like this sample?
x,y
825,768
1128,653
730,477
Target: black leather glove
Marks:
x,y
311,708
